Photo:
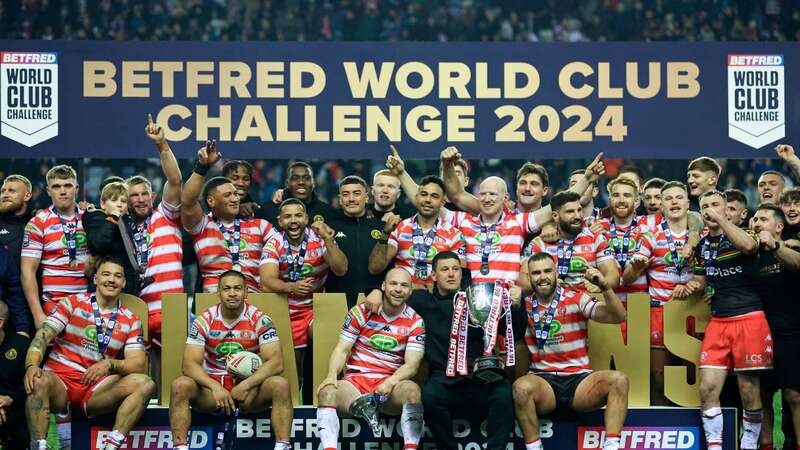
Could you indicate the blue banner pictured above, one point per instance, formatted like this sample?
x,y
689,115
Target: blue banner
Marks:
x,y
350,100
645,428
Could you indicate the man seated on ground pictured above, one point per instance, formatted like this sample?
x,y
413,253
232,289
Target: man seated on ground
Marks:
x,y
561,380
385,350
206,384
97,363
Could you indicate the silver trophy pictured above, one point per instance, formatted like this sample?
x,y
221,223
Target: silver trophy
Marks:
x,y
480,297
366,407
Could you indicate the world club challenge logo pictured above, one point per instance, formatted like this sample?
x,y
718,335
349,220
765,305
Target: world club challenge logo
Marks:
x,y
29,86
756,100
643,438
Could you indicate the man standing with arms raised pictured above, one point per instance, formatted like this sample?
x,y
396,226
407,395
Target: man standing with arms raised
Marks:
x,y
55,240
222,240
414,243
155,232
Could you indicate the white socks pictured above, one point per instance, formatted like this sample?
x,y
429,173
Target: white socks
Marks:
x,y
411,425
114,440
712,425
41,444
534,445
751,422
327,426
282,445
611,442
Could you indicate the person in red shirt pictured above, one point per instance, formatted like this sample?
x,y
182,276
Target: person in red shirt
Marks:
x,y
560,378
97,362
381,353
220,331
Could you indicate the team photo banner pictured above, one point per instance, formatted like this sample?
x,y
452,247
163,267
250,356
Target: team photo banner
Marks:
x,y
350,100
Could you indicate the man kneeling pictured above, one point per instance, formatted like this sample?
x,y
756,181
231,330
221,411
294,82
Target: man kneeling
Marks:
x,y
561,380
385,352
83,372
220,331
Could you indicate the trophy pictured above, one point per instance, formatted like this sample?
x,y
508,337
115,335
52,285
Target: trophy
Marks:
x,y
366,407
481,306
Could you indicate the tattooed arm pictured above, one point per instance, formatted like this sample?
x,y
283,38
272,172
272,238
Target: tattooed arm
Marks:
x,y
33,359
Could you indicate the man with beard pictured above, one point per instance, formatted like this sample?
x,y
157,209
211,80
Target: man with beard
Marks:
x,y
779,265
445,397
91,372
414,243
380,369
790,205
770,185
226,328
660,256
738,336
494,240
296,262
299,185
651,195
736,211
155,232
55,240
533,185
577,247
560,378
222,240
702,176
386,196
15,194
356,235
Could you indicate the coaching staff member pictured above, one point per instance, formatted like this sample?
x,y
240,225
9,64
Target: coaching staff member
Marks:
x,y
442,396
13,347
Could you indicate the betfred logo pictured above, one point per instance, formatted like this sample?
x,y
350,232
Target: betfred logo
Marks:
x,y
640,438
154,438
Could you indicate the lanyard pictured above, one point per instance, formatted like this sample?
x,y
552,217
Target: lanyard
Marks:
x,y
422,244
103,339
710,255
621,254
295,262
673,248
69,229
564,257
486,244
141,238
233,243
595,213
541,324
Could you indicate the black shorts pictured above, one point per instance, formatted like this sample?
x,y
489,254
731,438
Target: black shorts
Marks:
x,y
564,387
786,363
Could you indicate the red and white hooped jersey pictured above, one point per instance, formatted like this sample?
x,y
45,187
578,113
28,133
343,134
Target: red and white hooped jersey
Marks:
x,y
447,238
640,227
314,266
165,255
662,275
507,242
75,346
588,250
566,350
44,239
214,258
248,332
379,342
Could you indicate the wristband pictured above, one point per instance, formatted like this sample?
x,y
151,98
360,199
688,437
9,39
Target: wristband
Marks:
x,y
200,169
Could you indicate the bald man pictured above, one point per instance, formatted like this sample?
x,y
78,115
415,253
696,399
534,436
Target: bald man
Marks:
x,y
368,369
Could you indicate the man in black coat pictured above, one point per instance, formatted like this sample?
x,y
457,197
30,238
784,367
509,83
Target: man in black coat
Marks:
x,y
13,347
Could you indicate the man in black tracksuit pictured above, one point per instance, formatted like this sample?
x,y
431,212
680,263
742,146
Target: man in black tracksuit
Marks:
x,y
356,234
15,194
460,396
13,347
11,293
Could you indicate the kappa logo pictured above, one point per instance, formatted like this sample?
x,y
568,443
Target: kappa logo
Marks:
x,y
756,100
4,231
29,108
340,234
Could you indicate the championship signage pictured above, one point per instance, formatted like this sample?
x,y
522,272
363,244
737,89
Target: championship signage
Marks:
x,y
29,86
350,100
756,102
645,428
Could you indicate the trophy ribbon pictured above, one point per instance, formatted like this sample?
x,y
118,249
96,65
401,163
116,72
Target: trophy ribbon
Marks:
x,y
457,352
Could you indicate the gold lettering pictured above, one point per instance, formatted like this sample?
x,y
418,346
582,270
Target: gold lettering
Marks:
x,y
346,123
166,113
405,89
653,80
391,126
234,76
430,130
454,76
197,73
98,79
168,70
604,89
134,73
565,80
310,128
221,122
269,79
460,123
510,72
253,124
682,80
368,79
296,88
